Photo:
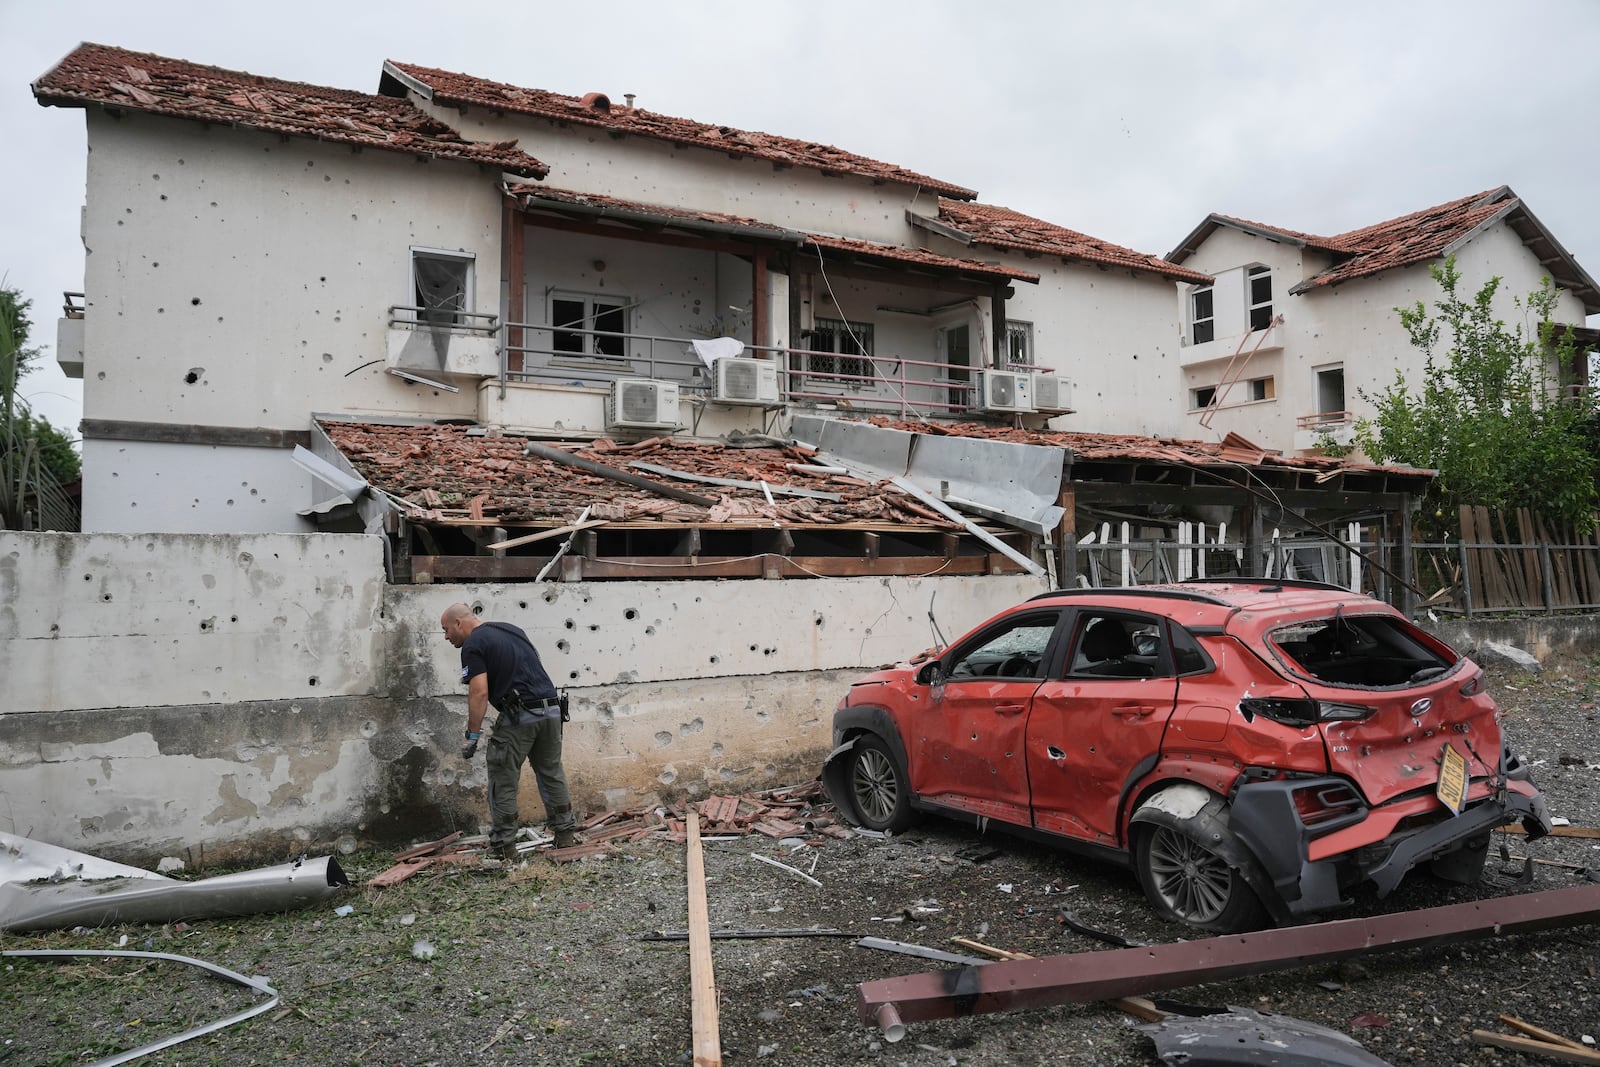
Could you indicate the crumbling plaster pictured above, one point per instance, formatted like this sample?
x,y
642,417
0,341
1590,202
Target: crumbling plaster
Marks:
x,y
249,696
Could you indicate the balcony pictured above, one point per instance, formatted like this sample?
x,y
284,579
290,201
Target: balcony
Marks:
x,y
462,344
1310,431
69,335
1238,345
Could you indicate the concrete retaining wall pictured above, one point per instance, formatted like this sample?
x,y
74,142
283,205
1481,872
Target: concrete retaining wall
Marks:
x,y
241,697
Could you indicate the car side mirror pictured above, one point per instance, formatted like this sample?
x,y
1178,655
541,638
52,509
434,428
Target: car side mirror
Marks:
x,y
931,674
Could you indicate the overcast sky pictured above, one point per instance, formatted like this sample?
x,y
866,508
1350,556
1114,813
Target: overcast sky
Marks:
x,y
1129,120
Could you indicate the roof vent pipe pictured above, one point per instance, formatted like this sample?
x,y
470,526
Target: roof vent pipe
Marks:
x,y
629,98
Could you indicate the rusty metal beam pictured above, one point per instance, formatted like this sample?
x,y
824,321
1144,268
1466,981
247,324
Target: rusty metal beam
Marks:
x,y
1090,976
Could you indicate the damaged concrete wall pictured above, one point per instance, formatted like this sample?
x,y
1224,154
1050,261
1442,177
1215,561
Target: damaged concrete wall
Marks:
x,y
241,697
308,246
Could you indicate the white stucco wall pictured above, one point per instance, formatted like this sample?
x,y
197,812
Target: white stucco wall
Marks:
x,y
263,270
140,486
654,172
245,694
1354,325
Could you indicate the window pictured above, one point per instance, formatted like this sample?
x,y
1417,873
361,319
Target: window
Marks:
x,y
1258,283
1261,389
1119,646
1019,343
850,340
1330,390
1203,398
441,284
588,325
1016,651
1254,389
1202,321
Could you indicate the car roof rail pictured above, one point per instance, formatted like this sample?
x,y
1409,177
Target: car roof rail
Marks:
x,y
1165,592
1269,583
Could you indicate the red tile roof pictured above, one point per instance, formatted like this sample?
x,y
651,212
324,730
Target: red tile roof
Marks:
x,y
1000,227
1415,238
116,78
595,109
440,471
536,196
918,257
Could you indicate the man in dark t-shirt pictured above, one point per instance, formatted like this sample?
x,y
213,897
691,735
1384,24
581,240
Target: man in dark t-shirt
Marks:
x,y
501,667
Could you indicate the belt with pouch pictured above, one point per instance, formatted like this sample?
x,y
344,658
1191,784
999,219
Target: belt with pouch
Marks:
x,y
517,711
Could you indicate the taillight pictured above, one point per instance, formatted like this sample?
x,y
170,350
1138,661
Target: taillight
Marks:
x,y
1325,801
1302,712
1474,685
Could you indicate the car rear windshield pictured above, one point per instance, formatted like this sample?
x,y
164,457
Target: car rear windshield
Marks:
x,y
1370,651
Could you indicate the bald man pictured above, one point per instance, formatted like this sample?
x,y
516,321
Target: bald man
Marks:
x,y
501,667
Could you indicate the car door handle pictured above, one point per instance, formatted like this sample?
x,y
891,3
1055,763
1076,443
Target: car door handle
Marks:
x,y
1133,711
1009,709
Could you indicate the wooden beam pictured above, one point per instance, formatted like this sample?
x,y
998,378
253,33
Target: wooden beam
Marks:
x,y
1559,1053
542,535
178,433
702,981
526,568
589,466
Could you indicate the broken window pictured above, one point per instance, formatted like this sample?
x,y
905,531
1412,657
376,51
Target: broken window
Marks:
x,y
1017,650
1203,397
1202,321
851,340
1019,343
441,285
1365,650
1258,283
1261,389
1330,390
585,324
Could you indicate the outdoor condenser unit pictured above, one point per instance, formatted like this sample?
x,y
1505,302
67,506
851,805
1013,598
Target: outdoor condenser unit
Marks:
x,y
745,381
642,404
1051,394
1005,391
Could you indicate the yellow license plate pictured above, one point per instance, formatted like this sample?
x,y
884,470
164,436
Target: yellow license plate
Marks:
x,y
1452,787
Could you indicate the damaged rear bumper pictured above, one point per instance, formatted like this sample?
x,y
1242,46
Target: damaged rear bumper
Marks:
x,y
1311,872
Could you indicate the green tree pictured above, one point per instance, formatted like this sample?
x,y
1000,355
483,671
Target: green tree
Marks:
x,y
35,457
1488,417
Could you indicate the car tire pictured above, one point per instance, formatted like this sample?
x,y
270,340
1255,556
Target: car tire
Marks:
x,y
1189,882
879,791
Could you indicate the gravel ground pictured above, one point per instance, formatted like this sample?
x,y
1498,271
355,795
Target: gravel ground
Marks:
x,y
545,963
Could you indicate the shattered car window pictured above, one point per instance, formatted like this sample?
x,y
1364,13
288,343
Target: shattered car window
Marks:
x,y
1372,651
1013,653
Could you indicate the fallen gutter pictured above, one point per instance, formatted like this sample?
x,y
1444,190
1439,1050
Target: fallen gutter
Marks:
x,y
1090,976
259,985
45,887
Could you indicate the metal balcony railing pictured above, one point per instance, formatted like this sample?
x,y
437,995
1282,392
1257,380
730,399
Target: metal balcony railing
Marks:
x,y
1323,420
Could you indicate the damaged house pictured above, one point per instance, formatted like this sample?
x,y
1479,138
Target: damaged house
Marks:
x,y
1290,329
351,357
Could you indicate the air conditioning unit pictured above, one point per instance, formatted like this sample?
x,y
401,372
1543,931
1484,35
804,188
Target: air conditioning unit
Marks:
x,y
1051,394
745,381
1005,391
642,404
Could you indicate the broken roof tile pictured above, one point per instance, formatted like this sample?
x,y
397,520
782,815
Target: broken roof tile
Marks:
x,y
439,471
1001,227
94,74
596,109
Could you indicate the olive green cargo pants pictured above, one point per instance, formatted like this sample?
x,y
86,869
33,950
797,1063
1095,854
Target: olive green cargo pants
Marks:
x,y
538,741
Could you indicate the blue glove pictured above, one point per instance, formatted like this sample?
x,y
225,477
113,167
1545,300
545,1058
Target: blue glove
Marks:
x,y
470,749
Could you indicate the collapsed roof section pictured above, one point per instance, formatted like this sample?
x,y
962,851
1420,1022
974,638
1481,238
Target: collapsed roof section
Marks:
x,y
450,89
478,504
844,498
117,79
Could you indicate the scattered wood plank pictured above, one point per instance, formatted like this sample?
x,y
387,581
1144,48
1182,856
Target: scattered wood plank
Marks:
x,y
1542,1035
544,535
1558,831
707,1039
429,849
400,872
1533,1047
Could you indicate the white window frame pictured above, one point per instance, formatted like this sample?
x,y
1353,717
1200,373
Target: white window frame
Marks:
x,y
1019,334
468,260
1252,305
590,350
1344,395
843,361
1195,321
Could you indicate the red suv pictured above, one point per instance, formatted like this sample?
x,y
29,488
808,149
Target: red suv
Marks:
x,y
1254,749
